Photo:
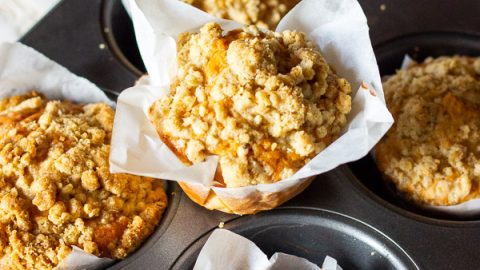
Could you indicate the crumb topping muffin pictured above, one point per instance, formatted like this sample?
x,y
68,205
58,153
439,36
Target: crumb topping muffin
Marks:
x,y
265,103
432,152
262,13
56,190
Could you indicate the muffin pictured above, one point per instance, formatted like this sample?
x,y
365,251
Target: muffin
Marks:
x,y
262,13
56,190
432,152
265,103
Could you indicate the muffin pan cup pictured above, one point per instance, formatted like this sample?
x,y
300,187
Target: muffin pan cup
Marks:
x,y
347,213
312,233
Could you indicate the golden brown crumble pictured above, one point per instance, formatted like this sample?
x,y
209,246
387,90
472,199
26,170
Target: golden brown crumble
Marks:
x,y
56,190
432,152
265,103
262,13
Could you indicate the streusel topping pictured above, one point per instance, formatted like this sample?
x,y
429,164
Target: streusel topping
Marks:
x,y
262,13
266,103
432,152
56,190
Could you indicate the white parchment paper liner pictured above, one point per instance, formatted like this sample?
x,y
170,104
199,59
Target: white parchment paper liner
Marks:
x,y
338,27
22,70
466,209
227,250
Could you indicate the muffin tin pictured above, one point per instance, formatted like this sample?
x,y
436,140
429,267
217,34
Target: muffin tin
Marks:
x,y
348,213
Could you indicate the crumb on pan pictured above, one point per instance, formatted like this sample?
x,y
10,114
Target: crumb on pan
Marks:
x,y
56,190
262,13
432,152
265,103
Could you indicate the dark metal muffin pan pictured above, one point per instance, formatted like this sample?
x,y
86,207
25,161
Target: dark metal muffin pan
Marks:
x,y
348,212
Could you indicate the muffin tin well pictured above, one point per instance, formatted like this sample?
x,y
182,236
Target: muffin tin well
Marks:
x,y
421,45
390,55
121,36
348,213
313,234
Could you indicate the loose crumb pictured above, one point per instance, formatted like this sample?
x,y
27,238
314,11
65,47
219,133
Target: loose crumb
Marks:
x,y
364,85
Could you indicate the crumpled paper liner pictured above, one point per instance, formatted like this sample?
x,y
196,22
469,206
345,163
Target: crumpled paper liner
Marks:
x,y
227,250
81,260
465,209
22,69
338,27
255,202
18,16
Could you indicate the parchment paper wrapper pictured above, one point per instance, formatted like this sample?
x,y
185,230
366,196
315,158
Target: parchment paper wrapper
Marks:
x,y
126,5
81,260
465,209
227,250
18,16
22,70
338,27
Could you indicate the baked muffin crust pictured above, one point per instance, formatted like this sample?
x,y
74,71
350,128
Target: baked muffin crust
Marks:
x,y
264,102
56,190
432,152
262,13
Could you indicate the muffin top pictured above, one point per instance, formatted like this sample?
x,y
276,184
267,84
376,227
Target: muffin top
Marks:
x,y
56,190
265,103
432,152
262,13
